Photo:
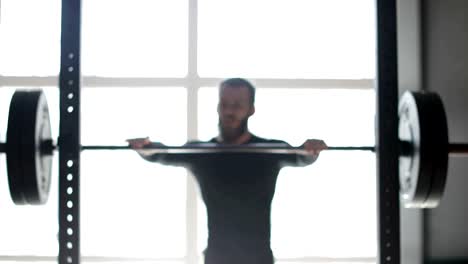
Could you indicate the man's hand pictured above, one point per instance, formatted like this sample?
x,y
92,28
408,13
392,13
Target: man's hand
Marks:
x,y
138,143
314,146
140,146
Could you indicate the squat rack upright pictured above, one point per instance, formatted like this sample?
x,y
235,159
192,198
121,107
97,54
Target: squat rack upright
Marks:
x,y
69,133
386,131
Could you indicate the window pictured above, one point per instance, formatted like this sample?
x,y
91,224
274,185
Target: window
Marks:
x,y
150,68
30,38
286,39
121,194
135,39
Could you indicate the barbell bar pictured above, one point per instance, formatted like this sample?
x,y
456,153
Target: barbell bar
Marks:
x,y
423,148
48,147
212,148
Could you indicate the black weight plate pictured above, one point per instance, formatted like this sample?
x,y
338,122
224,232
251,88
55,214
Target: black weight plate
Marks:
x,y
422,122
13,149
434,122
35,127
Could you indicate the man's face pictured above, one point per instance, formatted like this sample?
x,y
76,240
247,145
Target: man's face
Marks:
x,y
234,109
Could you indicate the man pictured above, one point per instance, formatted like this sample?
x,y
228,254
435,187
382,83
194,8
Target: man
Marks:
x,y
237,188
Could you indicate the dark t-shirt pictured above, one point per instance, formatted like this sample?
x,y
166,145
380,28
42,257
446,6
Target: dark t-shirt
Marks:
x,y
237,189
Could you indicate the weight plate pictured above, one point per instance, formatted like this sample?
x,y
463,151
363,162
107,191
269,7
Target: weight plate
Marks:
x,y
28,131
13,153
435,123
423,171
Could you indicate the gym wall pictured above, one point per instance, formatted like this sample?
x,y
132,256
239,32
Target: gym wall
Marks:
x,y
433,56
445,56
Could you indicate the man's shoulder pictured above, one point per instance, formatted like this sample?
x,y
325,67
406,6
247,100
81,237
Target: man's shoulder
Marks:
x,y
254,139
200,142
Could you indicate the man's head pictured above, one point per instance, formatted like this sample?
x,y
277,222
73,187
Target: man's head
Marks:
x,y
236,105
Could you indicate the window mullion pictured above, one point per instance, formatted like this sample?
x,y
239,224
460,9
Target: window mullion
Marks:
x,y
192,131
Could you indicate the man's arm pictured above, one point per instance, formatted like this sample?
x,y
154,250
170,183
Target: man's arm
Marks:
x,y
143,146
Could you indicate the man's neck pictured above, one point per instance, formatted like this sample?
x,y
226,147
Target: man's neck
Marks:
x,y
241,139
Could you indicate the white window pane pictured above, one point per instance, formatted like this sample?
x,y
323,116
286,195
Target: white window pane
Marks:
x,y
28,230
287,39
30,37
321,209
91,260
143,38
111,115
131,207
86,260
327,209
29,261
202,225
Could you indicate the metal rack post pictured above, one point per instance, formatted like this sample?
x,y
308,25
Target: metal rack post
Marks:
x,y
69,134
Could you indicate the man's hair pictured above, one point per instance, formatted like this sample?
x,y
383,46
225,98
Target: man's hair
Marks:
x,y
237,83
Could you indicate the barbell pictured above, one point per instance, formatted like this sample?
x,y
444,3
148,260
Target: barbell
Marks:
x,y
423,159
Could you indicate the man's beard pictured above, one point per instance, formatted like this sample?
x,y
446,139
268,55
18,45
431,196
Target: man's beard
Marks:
x,y
231,134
